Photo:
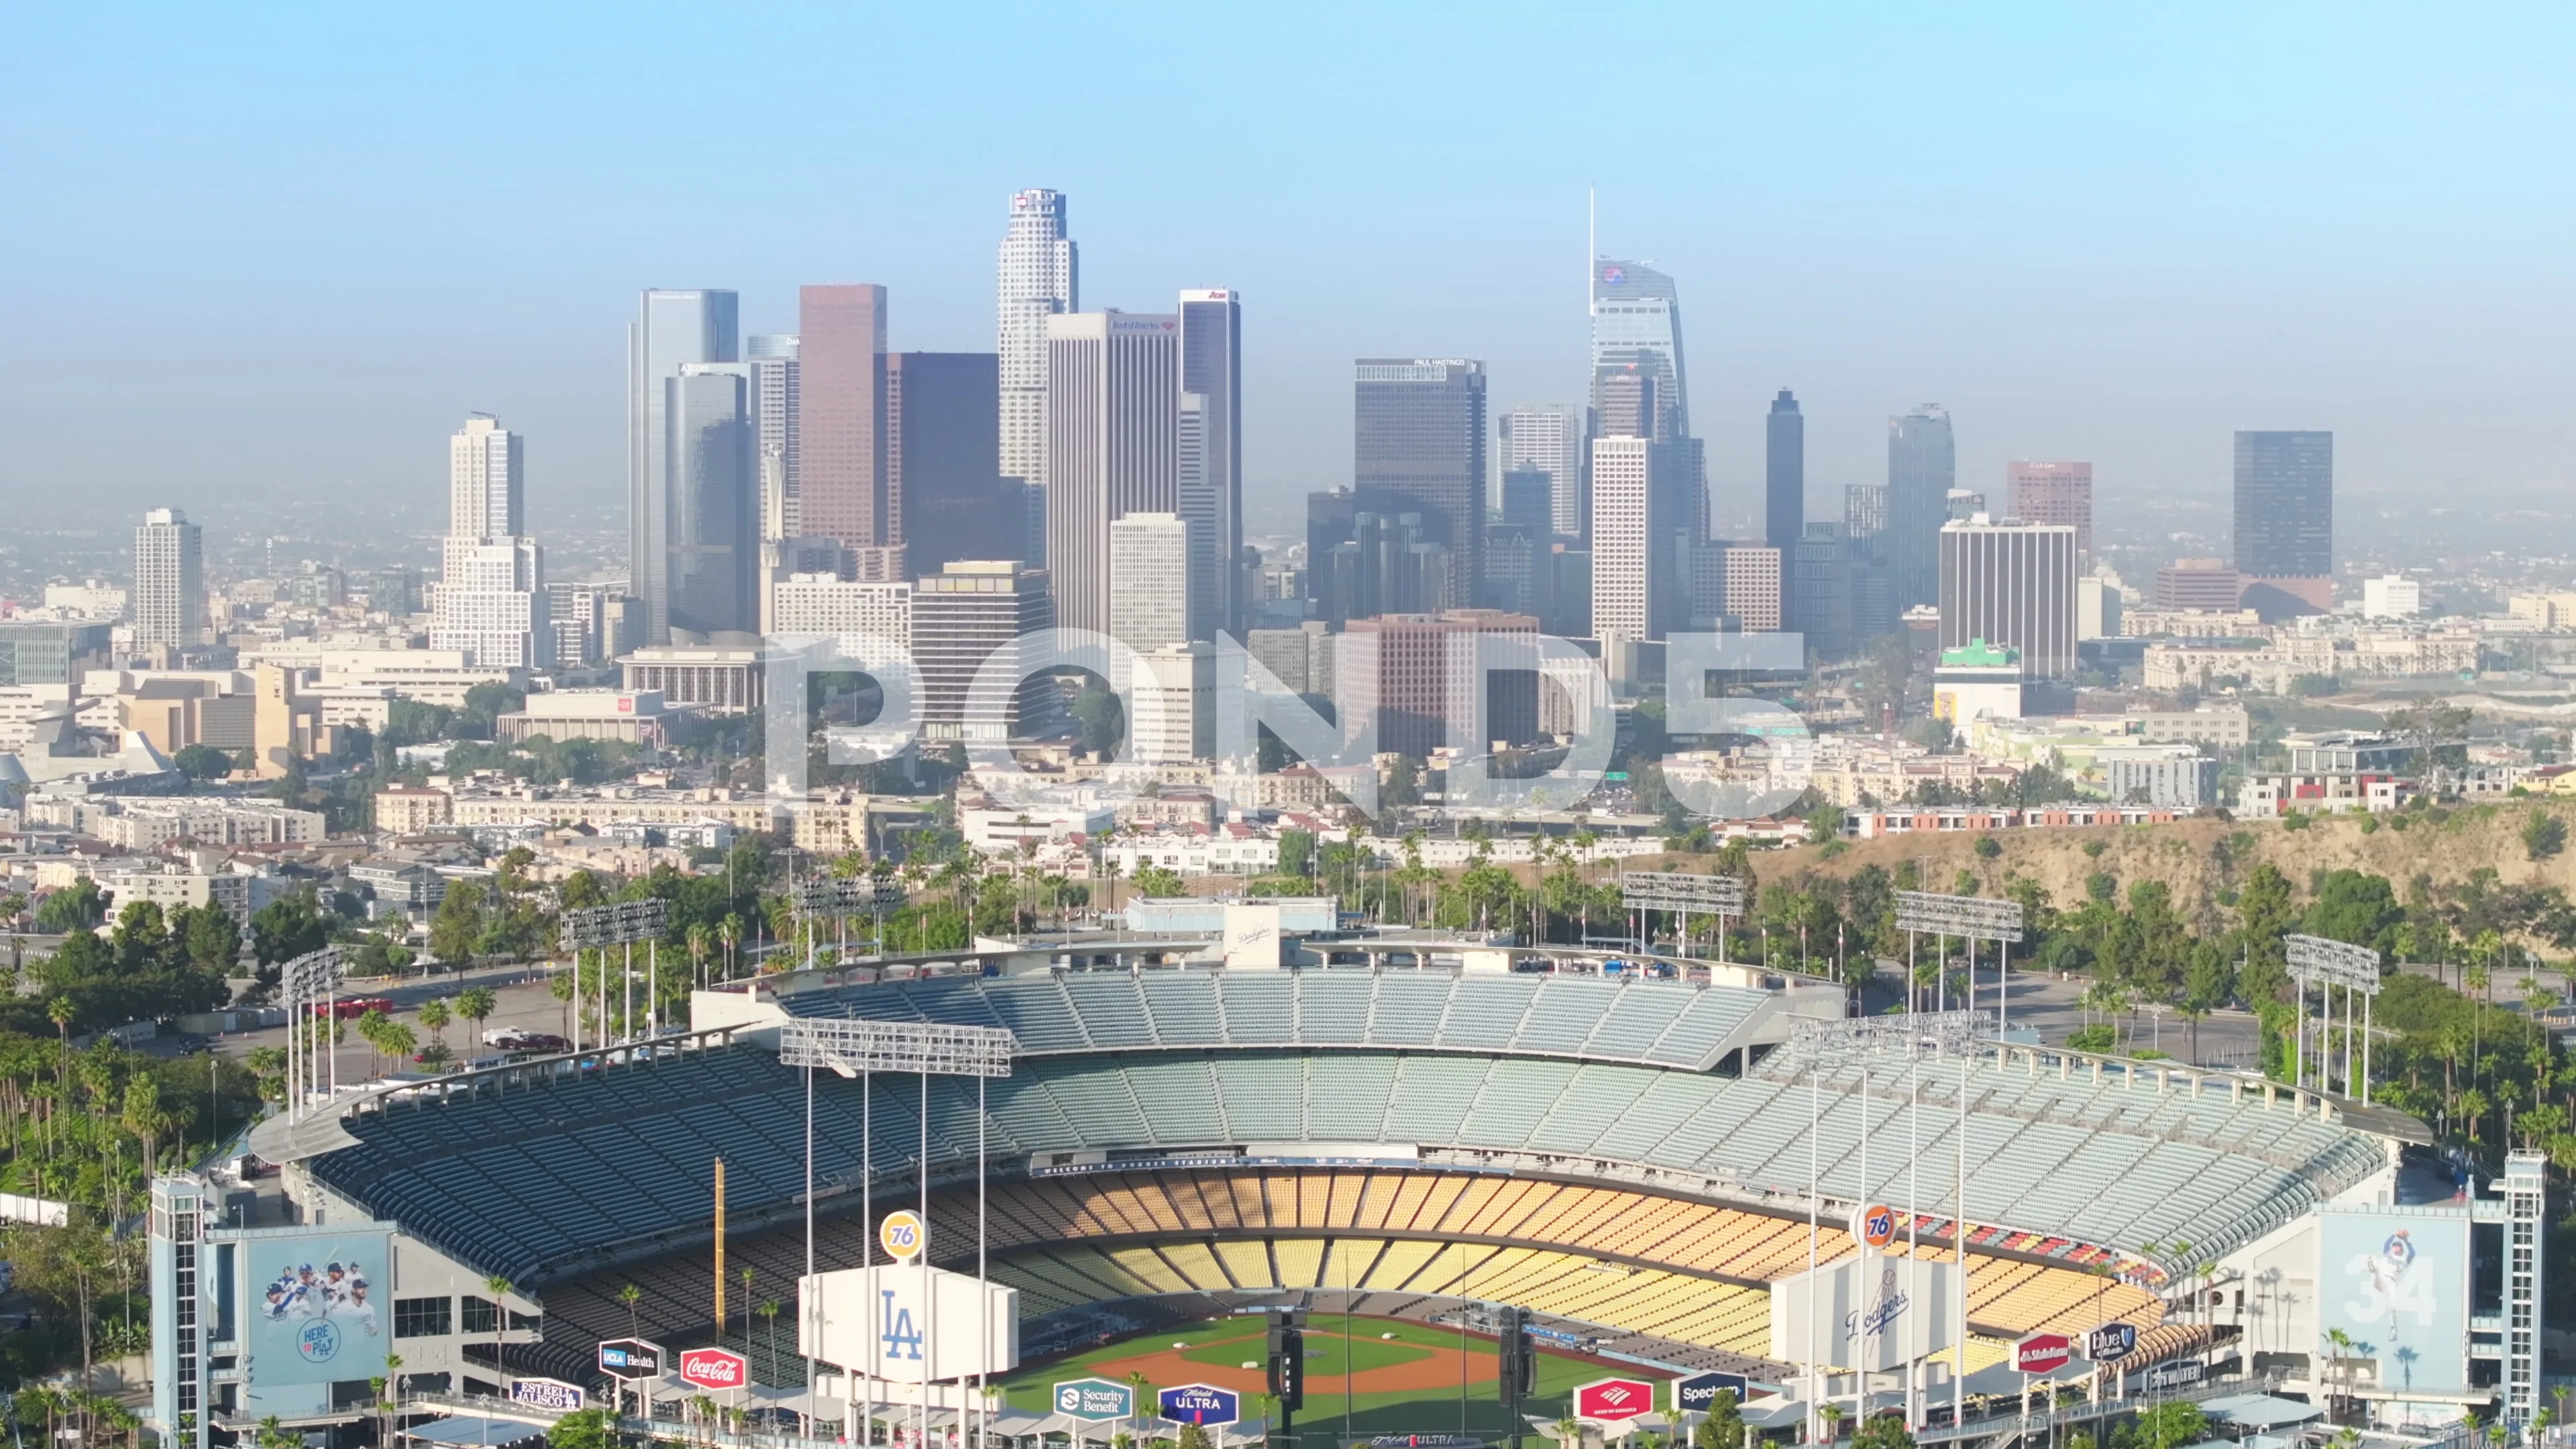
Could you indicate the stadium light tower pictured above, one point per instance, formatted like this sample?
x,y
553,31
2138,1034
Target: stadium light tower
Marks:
x,y
857,1050
1821,1046
1646,891
1973,918
2314,960
619,923
311,979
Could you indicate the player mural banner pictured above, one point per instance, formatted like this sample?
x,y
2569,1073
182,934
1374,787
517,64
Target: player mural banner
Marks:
x,y
2397,1281
316,1315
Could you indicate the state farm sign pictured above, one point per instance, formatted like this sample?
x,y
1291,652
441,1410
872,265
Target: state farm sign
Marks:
x,y
715,1368
1610,1401
2041,1353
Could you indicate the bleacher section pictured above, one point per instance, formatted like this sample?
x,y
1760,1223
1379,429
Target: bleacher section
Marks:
x,y
2064,1164
1690,1271
1661,1023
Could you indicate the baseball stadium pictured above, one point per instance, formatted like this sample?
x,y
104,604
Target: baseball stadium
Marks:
x,y
1395,1146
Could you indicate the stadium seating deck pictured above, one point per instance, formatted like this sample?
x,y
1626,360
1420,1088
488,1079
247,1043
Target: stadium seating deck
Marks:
x,y
1667,1023
1514,1073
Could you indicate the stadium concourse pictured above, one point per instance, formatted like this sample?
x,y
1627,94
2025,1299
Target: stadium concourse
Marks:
x,y
1629,1158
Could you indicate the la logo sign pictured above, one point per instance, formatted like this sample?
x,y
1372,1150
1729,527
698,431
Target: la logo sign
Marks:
x,y
1611,1401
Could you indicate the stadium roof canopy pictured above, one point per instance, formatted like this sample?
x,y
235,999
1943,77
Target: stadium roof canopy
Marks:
x,y
540,1178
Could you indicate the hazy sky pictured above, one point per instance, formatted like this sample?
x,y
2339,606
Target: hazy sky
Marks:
x,y
257,249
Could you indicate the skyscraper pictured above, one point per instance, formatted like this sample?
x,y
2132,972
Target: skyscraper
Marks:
x,y
492,599
962,616
1212,368
945,493
2011,584
712,567
841,458
775,388
2054,493
1040,278
487,481
1640,538
1922,467
671,328
1784,473
1419,447
1637,320
1149,581
2285,518
1112,445
169,581
1549,438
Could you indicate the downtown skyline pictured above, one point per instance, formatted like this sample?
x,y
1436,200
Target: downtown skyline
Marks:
x,y
2133,329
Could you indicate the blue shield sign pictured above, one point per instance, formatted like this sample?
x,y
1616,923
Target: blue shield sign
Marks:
x,y
1201,1404
2111,1342
1095,1401
1695,1394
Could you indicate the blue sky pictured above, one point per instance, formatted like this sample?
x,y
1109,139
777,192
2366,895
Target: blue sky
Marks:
x,y
272,246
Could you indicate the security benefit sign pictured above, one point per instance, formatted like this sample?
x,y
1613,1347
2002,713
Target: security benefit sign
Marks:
x,y
317,1312
2396,1280
908,1325
1872,1312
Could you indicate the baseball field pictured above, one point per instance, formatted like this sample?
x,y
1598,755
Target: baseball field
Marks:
x,y
1364,1376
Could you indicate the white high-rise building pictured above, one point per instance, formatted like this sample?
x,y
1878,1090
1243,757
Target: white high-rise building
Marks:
x,y
487,481
1039,279
492,600
772,360
830,604
1548,437
2010,584
1624,564
1172,704
1149,581
1113,447
169,581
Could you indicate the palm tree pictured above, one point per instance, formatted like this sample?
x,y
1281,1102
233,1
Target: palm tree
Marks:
x,y
393,1370
1568,1432
1138,1387
476,1004
499,1288
746,1313
701,946
729,933
435,1015
630,1295
769,1309
1833,1415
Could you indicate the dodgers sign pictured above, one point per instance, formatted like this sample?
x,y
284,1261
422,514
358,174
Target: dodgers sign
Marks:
x,y
1095,1401
1698,1393
1611,1401
1199,1404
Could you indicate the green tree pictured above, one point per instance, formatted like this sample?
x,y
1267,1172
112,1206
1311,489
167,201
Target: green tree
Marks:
x,y
288,927
80,906
1296,852
582,1429
458,927
1159,881
1723,1426
1882,1431
203,762
2543,835
1403,785
2171,1424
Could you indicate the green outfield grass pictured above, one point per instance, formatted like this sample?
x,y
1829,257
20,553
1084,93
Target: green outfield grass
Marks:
x,y
1225,1344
